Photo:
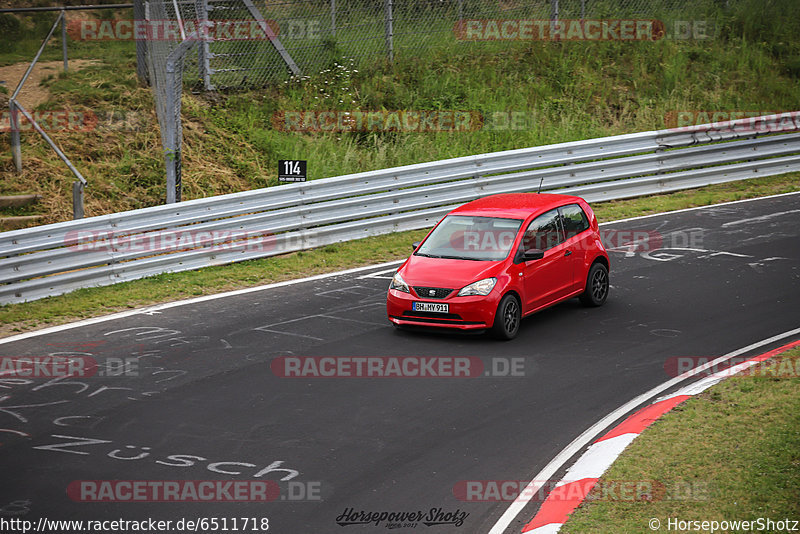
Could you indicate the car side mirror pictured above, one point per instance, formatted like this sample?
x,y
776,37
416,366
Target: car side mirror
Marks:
x,y
415,245
532,254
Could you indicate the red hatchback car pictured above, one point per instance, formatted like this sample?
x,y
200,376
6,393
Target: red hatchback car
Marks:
x,y
497,259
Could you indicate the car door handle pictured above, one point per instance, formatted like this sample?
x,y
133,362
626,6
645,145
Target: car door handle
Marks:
x,y
567,253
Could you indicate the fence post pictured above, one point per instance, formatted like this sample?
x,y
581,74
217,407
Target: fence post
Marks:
x,y
13,124
333,17
77,200
140,18
172,161
170,89
583,9
201,7
388,30
460,10
172,152
553,19
64,39
171,155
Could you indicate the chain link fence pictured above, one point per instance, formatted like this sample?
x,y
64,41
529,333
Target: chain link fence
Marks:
x,y
298,36
314,33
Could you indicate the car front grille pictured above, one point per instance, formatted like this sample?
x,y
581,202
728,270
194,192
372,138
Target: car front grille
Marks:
x,y
432,292
434,318
432,315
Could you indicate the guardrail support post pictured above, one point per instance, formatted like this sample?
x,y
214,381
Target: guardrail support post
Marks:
x,y
64,39
16,151
77,200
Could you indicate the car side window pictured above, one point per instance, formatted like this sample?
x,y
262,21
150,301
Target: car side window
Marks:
x,y
544,232
574,220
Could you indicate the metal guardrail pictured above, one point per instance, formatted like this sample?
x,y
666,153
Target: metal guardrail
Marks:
x,y
58,258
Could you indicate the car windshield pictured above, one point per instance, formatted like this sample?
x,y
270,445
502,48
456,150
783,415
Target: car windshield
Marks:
x,y
465,237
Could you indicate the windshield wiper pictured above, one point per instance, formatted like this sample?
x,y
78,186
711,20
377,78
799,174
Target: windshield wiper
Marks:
x,y
446,257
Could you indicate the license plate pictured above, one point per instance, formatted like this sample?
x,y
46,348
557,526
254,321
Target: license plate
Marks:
x,y
434,307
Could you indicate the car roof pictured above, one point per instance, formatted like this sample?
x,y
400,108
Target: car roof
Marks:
x,y
515,205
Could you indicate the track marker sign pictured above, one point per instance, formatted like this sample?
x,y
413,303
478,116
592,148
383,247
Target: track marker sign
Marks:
x,y
292,170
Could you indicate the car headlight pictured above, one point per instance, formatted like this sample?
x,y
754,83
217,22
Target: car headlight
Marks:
x,y
399,284
481,287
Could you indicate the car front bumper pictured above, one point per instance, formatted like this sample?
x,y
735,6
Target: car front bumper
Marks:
x,y
465,313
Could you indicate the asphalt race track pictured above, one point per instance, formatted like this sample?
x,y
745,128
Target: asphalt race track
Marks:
x,y
203,388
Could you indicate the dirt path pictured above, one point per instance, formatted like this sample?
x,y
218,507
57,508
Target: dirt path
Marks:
x,y
33,93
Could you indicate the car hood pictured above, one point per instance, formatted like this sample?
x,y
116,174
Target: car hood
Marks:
x,y
442,272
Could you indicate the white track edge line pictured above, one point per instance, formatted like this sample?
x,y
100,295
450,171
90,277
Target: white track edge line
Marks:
x,y
682,210
167,305
581,441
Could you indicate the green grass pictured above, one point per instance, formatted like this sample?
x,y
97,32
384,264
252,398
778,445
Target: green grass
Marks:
x,y
23,35
736,446
90,302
